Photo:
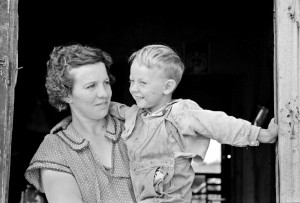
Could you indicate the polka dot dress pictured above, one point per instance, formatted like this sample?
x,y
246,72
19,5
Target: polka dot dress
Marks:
x,y
68,152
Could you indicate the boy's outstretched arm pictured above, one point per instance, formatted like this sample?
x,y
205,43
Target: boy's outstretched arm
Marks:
x,y
268,135
62,125
118,110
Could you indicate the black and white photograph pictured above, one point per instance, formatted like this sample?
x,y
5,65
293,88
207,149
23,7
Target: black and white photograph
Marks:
x,y
149,101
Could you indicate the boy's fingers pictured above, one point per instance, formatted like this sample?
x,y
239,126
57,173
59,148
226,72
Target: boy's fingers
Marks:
x,y
274,121
65,125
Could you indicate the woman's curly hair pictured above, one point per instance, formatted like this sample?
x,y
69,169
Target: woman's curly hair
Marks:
x,y
59,84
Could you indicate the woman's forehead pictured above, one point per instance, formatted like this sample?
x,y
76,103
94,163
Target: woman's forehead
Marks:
x,y
89,72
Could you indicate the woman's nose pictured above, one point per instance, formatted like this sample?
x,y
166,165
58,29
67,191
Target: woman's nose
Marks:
x,y
102,92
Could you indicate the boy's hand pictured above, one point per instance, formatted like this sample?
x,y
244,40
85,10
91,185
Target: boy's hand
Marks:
x,y
273,129
62,125
269,135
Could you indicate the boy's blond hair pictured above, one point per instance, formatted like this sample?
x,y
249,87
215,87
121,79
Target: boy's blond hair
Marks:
x,y
160,56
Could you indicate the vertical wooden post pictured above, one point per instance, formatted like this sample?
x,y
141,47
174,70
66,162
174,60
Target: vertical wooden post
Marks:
x,y
8,75
287,64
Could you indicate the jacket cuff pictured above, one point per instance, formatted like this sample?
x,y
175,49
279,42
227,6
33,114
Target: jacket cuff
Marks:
x,y
253,135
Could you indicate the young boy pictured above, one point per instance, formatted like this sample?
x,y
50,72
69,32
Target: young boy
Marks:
x,y
163,135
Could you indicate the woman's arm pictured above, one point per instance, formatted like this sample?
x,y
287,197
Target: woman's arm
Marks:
x,y
60,187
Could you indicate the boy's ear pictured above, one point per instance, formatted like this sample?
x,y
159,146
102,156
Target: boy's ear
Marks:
x,y
170,86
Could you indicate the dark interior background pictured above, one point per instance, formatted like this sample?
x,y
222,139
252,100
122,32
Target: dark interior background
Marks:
x,y
238,36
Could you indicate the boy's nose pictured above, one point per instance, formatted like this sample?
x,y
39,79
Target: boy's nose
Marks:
x,y
133,87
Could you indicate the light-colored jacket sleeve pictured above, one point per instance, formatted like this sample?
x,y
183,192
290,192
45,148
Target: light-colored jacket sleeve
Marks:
x,y
196,124
118,110
194,121
125,113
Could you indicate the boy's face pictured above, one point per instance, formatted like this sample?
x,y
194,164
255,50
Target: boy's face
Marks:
x,y
147,86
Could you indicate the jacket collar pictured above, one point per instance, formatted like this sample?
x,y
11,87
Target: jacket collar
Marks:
x,y
162,110
77,142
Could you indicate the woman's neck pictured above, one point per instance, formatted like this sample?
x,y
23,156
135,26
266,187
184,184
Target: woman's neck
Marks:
x,y
88,127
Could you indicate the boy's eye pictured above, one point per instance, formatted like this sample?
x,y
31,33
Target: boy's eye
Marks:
x,y
143,82
107,82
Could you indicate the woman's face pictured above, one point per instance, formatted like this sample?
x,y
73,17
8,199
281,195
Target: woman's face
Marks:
x,y
91,94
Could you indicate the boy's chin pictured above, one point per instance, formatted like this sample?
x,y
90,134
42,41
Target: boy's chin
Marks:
x,y
141,105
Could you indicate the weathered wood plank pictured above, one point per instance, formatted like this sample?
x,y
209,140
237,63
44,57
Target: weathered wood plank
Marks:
x,y
287,50
8,74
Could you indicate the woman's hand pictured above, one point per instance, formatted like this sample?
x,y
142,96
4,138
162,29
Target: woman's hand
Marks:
x,y
62,125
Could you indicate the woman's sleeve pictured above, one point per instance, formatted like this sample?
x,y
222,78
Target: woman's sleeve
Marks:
x,y
193,121
50,155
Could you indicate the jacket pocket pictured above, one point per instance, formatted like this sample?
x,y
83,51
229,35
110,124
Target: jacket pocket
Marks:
x,y
143,178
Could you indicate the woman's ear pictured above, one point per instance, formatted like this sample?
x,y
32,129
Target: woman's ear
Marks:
x,y
170,86
67,99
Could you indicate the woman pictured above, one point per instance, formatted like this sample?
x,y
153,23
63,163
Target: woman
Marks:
x,y
87,162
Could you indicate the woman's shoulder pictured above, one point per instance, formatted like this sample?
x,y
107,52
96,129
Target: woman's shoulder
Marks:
x,y
49,147
50,156
115,127
49,151
50,141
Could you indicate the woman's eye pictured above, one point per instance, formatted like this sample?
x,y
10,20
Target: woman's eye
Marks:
x,y
90,86
143,83
107,82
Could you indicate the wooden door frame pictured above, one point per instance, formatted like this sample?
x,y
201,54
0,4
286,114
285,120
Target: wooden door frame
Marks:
x,y
8,75
287,101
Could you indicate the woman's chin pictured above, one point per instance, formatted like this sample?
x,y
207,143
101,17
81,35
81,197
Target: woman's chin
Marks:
x,y
101,113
